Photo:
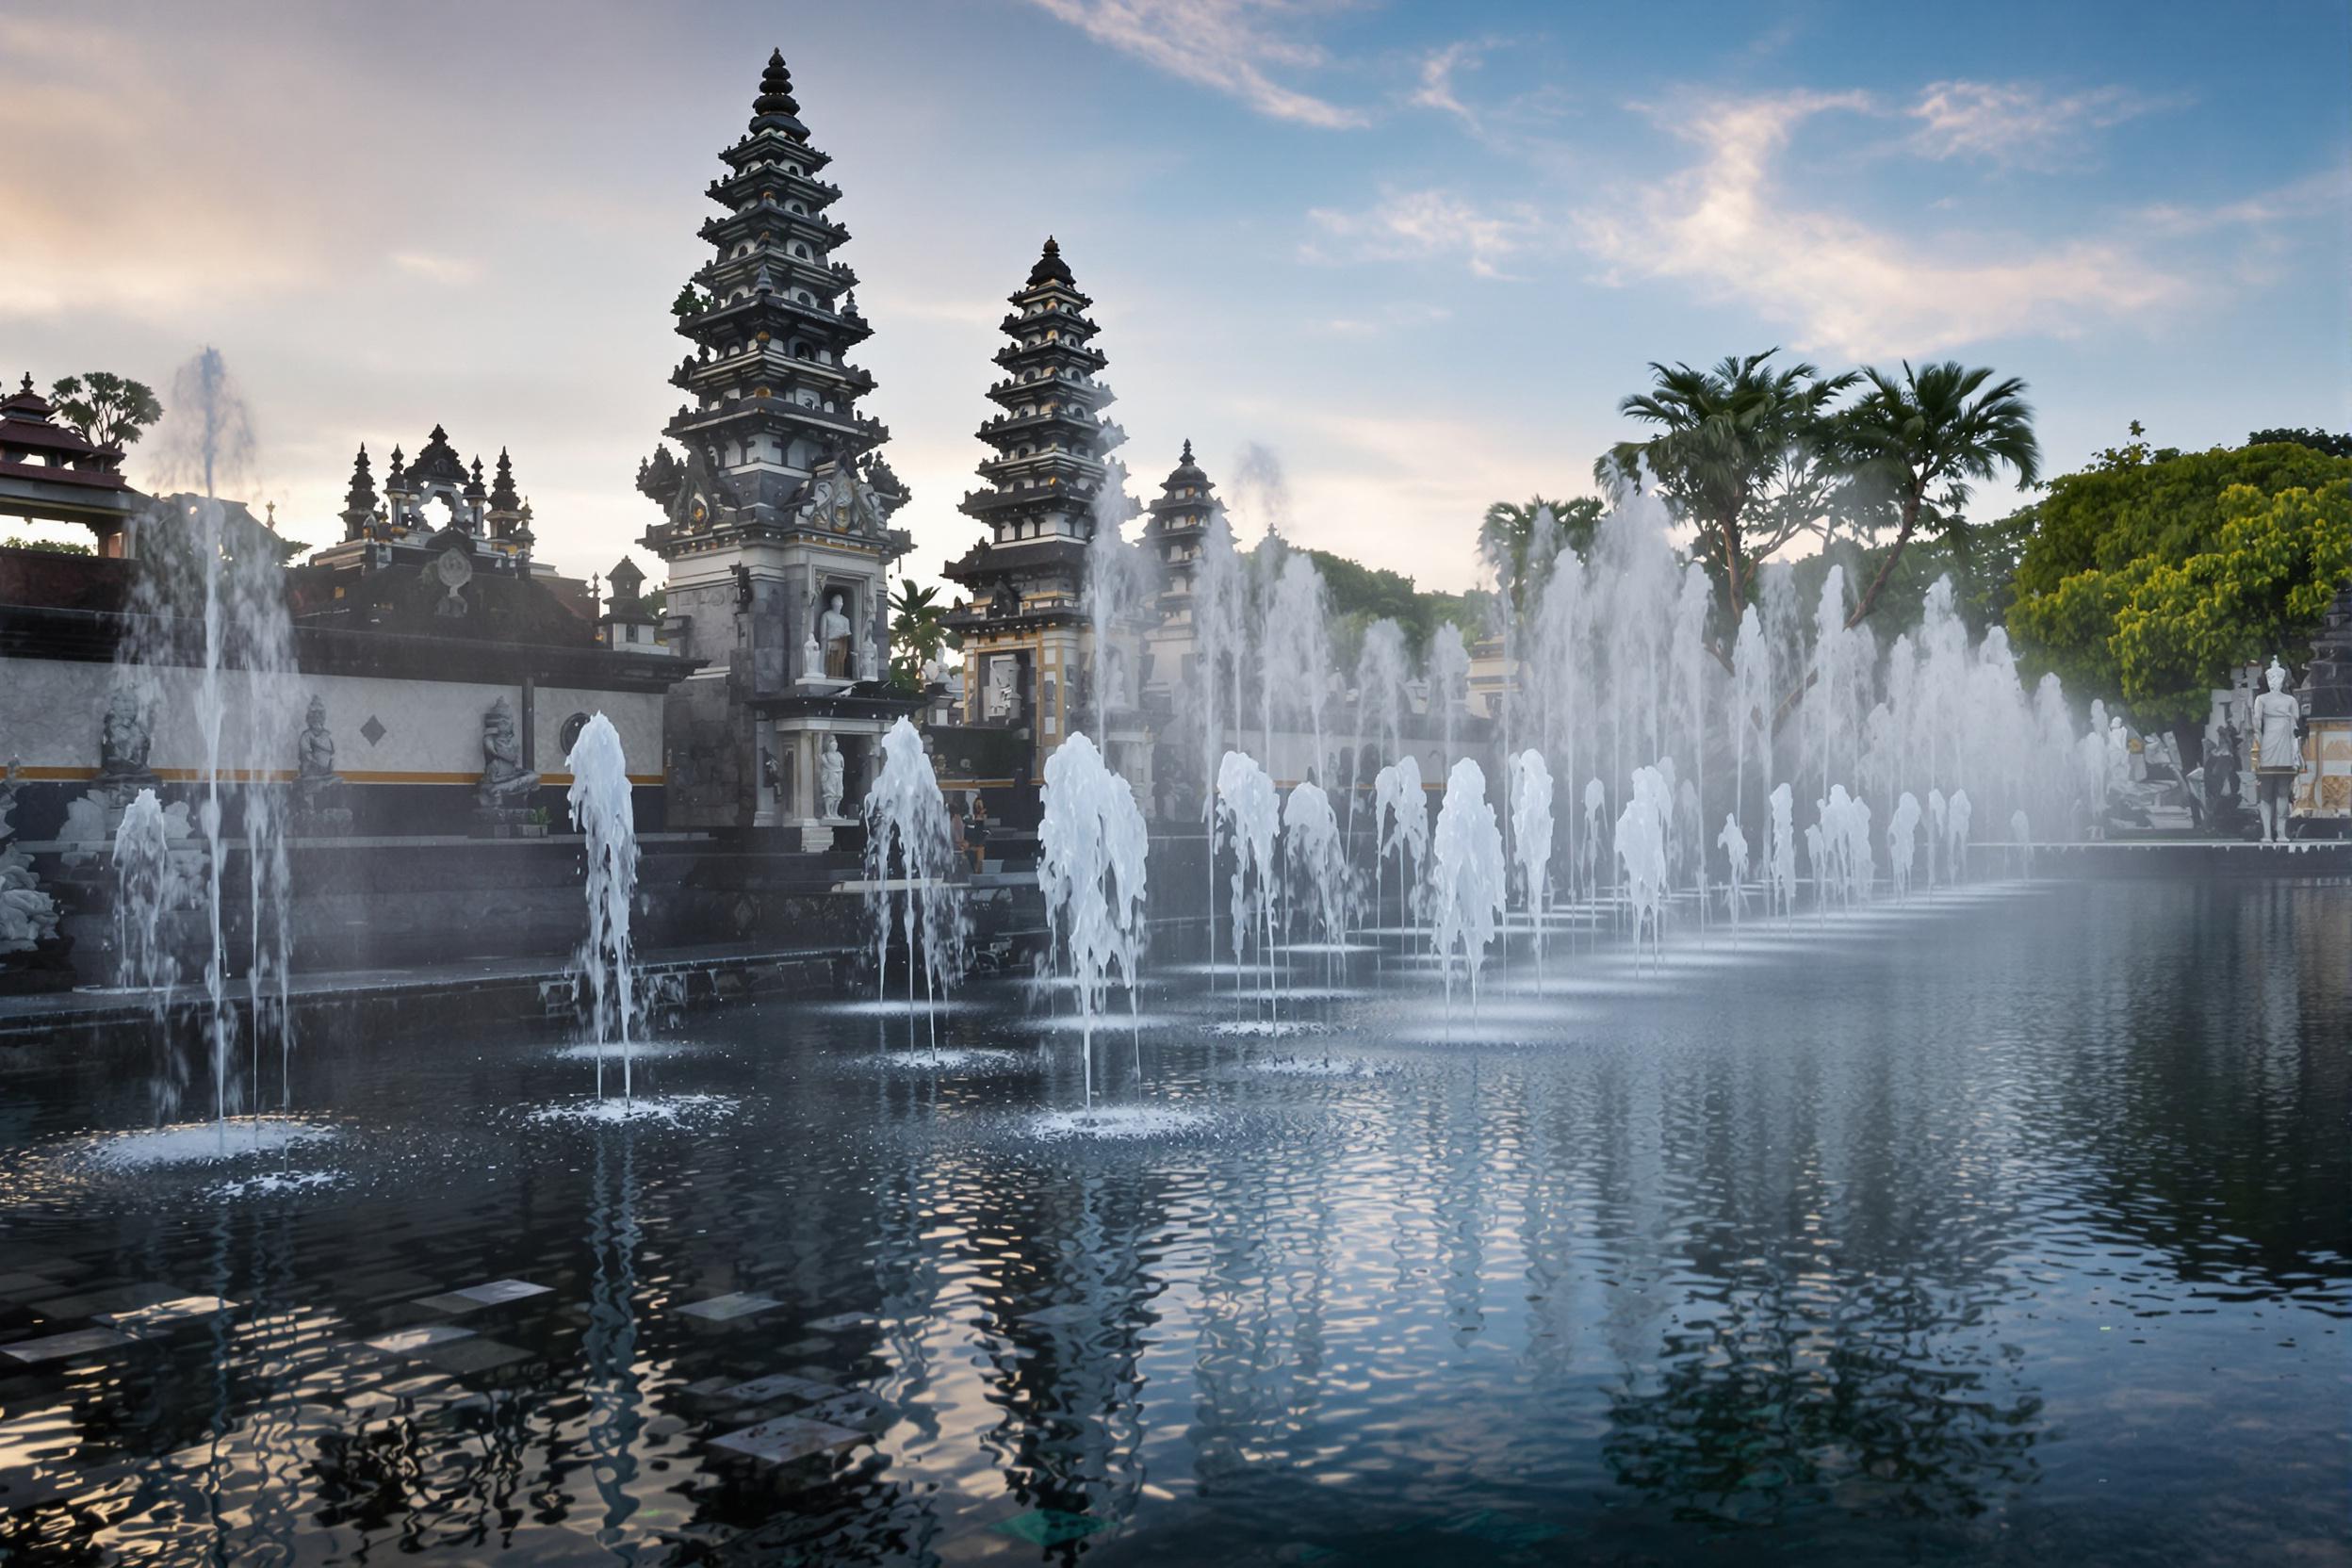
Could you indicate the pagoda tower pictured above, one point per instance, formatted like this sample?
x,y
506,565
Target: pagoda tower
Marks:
x,y
775,518
1173,533
1051,481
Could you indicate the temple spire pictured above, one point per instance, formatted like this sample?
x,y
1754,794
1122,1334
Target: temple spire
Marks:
x,y
502,495
359,502
775,91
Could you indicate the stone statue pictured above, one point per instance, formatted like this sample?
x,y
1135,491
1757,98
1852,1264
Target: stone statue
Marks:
x,y
870,661
1005,602
505,784
998,699
811,657
829,778
833,631
2277,752
315,765
28,917
124,740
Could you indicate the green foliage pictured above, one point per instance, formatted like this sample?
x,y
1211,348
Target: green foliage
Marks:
x,y
1737,455
2178,546
917,631
1508,534
47,546
107,409
1359,594
689,303
1918,441
2318,440
2261,587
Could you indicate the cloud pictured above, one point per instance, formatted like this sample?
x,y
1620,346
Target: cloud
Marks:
x,y
1387,319
1228,45
1426,225
2021,125
1436,90
1838,284
436,268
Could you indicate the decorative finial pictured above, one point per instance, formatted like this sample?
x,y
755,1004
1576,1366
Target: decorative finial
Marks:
x,y
775,89
1187,448
28,383
1051,248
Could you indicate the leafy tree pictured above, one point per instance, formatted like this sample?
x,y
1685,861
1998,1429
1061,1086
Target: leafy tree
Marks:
x,y
47,546
689,303
2263,586
917,631
107,409
1738,454
2318,440
1508,534
1918,441
2119,537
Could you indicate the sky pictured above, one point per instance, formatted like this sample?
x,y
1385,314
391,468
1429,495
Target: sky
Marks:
x,y
1383,263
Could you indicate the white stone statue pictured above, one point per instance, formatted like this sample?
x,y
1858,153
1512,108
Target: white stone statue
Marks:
x,y
829,781
2278,755
833,631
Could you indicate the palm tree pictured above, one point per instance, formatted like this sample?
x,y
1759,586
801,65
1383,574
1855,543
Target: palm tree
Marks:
x,y
1508,534
1921,439
918,628
1728,439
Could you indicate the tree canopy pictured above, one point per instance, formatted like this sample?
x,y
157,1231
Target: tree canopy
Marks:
x,y
2205,541
107,409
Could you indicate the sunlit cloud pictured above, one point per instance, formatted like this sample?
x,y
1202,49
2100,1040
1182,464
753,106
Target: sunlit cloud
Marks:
x,y
1428,225
1838,285
2021,125
1228,45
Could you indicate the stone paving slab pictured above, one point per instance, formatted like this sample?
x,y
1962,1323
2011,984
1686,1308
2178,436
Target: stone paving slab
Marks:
x,y
786,1439
163,1314
726,1309
408,1342
474,1298
465,1356
781,1385
49,1347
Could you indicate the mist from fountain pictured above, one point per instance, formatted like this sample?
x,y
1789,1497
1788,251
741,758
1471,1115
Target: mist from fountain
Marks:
x,y
1248,817
1092,848
1641,845
909,833
1902,840
604,813
1316,860
1466,878
146,885
1401,823
1734,848
1532,835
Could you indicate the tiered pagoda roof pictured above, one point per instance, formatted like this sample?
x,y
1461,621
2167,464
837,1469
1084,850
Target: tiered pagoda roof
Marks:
x,y
49,471
1178,519
1049,476
771,414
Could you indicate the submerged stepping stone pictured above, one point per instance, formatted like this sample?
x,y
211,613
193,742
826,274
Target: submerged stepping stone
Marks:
x,y
726,1309
474,1298
16,1284
805,1348
840,1320
164,1314
1069,1312
462,1356
781,1385
1050,1527
410,1341
786,1438
80,1341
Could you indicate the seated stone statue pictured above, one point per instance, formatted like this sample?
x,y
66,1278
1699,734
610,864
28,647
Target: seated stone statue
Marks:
x,y
123,738
505,783
315,765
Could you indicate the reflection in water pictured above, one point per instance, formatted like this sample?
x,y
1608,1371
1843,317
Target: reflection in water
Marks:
x,y
1904,1242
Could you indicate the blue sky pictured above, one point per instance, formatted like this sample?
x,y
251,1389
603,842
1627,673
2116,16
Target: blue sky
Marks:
x,y
1383,263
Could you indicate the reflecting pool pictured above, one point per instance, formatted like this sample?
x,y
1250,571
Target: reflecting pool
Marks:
x,y
2007,1227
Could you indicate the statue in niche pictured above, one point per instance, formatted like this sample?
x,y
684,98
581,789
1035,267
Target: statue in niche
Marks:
x,y
2277,752
505,783
998,701
833,631
830,769
1005,602
123,738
